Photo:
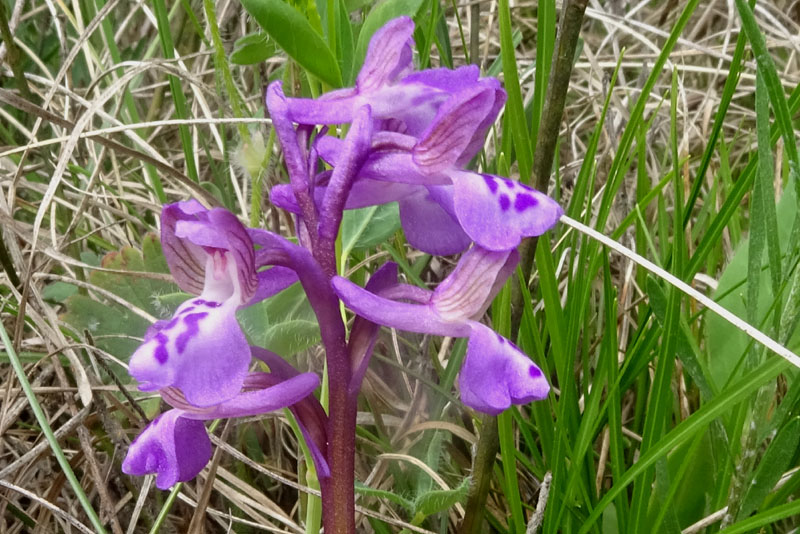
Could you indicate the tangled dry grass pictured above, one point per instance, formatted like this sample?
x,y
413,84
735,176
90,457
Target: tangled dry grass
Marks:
x,y
91,129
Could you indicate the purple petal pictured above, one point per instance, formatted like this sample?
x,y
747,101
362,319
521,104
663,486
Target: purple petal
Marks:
x,y
186,261
279,110
282,196
429,227
354,153
308,412
174,448
364,333
409,317
363,193
384,163
219,231
199,244
467,291
271,282
476,143
444,79
496,374
282,394
388,56
336,107
497,212
202,351
410,106
452,131
366,193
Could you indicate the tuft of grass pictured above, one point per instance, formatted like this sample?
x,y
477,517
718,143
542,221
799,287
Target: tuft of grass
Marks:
x,y
678,142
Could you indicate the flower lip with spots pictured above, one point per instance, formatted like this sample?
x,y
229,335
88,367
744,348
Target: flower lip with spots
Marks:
x,y
495,373
202,350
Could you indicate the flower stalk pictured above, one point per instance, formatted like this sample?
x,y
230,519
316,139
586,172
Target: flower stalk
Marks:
x,y
410,137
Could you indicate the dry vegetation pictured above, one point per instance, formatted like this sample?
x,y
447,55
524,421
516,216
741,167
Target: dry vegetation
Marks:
x,y
93,126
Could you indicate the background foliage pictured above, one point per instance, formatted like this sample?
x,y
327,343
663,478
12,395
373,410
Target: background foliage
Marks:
x,y
678,140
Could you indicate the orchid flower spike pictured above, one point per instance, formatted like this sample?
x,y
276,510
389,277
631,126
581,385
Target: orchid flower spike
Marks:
x,y
202,350
495,373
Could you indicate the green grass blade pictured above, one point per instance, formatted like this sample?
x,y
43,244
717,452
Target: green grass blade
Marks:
x,y
764,518
764,209
766,66
168,48
545,44
515,112
723,403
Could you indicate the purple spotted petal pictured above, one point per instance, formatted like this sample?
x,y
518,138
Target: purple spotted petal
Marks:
x,y
173,448
202,351
497,212
496,374
429,227
409,317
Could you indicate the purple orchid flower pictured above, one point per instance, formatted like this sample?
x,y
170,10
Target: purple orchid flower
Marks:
x,y
495,373
418,159
400,99
202,350
198,360
175,445
433,190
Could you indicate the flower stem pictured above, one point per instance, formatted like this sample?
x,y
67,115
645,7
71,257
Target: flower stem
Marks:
x,y
482,469
338,492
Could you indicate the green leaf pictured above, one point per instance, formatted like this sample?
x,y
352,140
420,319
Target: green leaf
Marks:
x,y
727,343
285,323
378,16
367,227
252,48
362,489
59,291
435,501
771,467
347,45
295,35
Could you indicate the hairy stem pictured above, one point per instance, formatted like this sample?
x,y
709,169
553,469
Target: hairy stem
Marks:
x,y
482,468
